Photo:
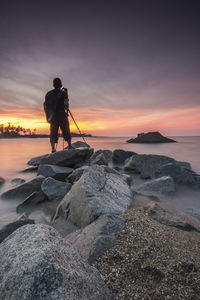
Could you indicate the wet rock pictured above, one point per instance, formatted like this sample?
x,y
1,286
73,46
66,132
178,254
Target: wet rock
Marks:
x,y
35,161
163,185
170,218
151,137
56,172
179,174
96,238
17,181
79,144
66,158
147,164
30,202
30,169
119,156
99,160
76,174
2,180
55,270
6,230
25,189
97,192
55,190
107,154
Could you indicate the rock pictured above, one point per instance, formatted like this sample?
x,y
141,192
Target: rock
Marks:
x,y
76,174
179,174
30,169
147,164
6,230
97,192
25,189
99,160
163,185
36,263
17,181
35,161
107,154
142,200
56,172
2,180
55,190
119,156
28,204
169,218
66,158
79,144
151,137
195,213
96,238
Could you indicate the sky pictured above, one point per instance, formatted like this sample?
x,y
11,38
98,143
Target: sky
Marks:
x,y
130,66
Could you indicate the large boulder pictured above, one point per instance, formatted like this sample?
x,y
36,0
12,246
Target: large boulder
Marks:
x,y
147,164
36,263
7,229
151,137
66,158
25,189
56,172
76,174
55,190
31,202
97,192
179,174
119,156
163,185
96,238
170,218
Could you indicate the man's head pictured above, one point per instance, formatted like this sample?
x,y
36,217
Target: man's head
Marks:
x,y
57,83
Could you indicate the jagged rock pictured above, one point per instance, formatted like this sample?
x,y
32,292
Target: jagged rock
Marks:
x,y
30,202
2,180
6,230
56,172
36,263
151,137
97,192
163,185
119,156
30,169
76,174
96,238
147,164
169,218
66,158
17,181
107,154
79,144
55,190
179,174
25,189
99,160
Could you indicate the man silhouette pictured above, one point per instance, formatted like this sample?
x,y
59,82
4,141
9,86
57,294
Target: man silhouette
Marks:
x,y
56,107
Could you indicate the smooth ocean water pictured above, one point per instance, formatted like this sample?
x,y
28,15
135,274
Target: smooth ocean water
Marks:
x,y
16,152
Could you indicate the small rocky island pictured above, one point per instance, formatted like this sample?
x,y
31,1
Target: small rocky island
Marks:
x,y
151,137
109,236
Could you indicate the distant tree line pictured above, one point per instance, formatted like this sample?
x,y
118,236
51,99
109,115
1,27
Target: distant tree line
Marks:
x,y
15,131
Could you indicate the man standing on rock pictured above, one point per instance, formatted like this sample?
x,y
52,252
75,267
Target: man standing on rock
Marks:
x,y
56,107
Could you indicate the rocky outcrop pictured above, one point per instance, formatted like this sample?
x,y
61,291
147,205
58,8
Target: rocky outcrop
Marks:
x,y
55,190
96,238
169,218
66,158
119,156
36,263
179,174
6,230
163,185
31,202
24,190
56,172
151,137
96,193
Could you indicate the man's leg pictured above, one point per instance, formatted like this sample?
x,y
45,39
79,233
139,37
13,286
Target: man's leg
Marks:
x,y
64,124
54,134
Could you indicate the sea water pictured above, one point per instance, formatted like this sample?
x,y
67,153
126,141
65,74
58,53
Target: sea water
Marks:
x,y
14,154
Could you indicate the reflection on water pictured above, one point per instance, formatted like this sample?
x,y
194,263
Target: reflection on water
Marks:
x,y
14,154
